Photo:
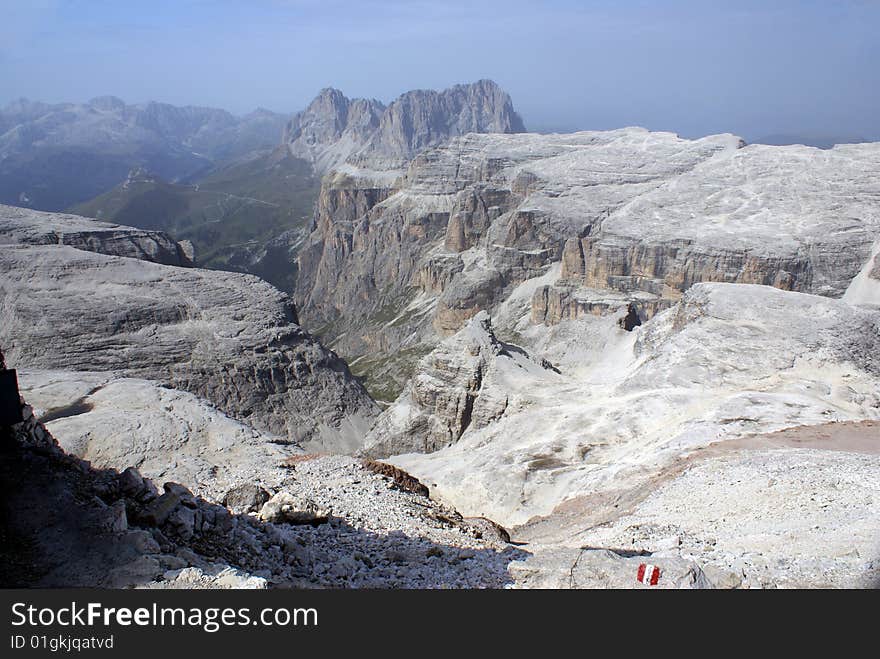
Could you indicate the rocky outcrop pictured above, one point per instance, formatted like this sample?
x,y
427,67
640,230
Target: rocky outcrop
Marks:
x,y
725,361
231,339
27,227
166,434
565,568
630,218
556,303
457,387
334,129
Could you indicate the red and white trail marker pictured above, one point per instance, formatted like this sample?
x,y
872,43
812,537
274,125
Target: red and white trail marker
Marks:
x,y
648,574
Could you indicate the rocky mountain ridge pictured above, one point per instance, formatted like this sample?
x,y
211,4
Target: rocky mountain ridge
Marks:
x,y
557,226
334,129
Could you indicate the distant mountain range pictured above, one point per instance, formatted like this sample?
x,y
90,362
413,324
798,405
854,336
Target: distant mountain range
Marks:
x,y
54,156
242,190
231,215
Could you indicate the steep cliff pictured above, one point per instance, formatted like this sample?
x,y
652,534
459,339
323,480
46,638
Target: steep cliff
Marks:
x,y
229,338
586,223
27,227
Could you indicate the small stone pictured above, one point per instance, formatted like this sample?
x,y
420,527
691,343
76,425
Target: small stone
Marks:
x,y
182,520
395,556
170,562
186,497
142,542
286,508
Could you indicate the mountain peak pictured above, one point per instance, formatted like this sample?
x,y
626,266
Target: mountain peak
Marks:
x,y
334,128
107,103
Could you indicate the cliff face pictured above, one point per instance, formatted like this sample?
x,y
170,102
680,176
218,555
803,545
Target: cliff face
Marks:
x,y
627,217
229,338
459,386
27,227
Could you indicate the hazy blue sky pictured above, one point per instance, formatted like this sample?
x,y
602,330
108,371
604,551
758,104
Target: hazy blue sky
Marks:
x,y
698,66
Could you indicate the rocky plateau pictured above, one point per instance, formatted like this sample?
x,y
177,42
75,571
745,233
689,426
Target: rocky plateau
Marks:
x,y
560,358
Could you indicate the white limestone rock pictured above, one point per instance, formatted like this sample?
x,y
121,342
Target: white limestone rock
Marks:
x,y
27,227
229,338
167,435
728,360
459,386
625,217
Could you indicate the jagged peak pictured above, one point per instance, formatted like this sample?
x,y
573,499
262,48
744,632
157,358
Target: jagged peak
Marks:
x,y
106,102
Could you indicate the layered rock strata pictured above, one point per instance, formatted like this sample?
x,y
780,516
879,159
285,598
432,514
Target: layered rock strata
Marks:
x,y
229,338
402,258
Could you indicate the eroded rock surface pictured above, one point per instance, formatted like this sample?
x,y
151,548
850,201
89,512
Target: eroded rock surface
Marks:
x,y
461,385
231,339
27,227
68,524
727,360
166,434
604,220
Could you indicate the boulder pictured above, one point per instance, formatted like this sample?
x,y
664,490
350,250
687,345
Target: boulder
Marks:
x,y
285,508
246,498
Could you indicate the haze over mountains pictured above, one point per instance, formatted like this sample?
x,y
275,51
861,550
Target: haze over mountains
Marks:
x,y
54,156
242,189
334,129
616,343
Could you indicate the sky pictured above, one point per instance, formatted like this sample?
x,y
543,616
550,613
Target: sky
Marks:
x,y
691,66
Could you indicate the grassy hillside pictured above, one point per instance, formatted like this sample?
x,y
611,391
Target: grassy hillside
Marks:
x,y
230,215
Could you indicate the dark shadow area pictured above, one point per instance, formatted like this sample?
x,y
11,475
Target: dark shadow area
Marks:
x,y
64,523
74,409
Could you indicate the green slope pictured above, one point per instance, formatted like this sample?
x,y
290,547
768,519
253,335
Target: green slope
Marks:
x,y
229,215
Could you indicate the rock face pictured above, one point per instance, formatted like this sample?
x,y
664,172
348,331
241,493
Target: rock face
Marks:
x,y
166,434
564,568
334,129
331,128
231,339
727,360
618,218
446,396
27,227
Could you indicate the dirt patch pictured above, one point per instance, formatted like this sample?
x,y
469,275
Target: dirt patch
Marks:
x,y
294,460
581,513
850,436
401,479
